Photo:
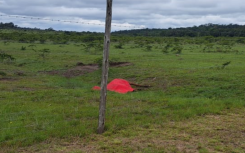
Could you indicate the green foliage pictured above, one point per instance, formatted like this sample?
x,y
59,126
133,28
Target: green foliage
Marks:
x,y
209,30
6,57
208,47
99,48
167,48
3,73
139,43
44,105
94,48
6,42
32,46
148,48
240,40
99,61
42,40
43,53
177,49
225,64
23,48
119,46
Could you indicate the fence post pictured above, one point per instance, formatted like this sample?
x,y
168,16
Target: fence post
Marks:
x,y
105,68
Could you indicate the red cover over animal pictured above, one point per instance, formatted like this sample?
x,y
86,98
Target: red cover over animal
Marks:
x,y
118,85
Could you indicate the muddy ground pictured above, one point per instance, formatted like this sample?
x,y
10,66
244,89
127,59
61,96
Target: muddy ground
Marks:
x,y
81,69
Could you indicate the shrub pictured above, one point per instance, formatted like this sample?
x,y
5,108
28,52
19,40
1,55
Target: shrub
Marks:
x,y
119,46
148,48
23,48
43,53
2,73
6,57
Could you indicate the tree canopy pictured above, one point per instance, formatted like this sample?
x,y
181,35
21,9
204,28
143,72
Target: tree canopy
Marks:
x,y
215,30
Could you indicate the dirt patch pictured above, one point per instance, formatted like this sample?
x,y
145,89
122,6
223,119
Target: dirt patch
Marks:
x,y
120,64
7,79
82,69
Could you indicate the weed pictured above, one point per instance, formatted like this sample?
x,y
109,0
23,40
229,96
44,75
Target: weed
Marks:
x,y
23,48
43,53
225,64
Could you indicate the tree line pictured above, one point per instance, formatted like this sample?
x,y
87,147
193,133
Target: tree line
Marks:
x,y
215,30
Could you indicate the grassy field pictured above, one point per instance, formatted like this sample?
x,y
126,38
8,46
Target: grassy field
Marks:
x,y
195,102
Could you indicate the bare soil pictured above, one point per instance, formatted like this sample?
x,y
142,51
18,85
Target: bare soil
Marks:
x,y
5,79
81,69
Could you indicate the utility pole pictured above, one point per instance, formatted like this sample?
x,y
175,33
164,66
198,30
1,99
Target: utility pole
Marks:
x,y
105,68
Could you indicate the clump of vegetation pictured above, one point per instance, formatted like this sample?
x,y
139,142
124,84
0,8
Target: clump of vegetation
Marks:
x,y
119,46
209,47
23,48
100,60
240,40
3,73
32,46
148,48
225,64
5,42
93,48
167,48
43,53
177,49
42,40
139,44
6,57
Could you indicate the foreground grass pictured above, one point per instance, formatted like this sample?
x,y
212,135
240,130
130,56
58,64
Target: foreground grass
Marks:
x,y
37,107
212,133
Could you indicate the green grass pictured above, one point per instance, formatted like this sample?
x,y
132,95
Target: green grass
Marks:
x,y
36,107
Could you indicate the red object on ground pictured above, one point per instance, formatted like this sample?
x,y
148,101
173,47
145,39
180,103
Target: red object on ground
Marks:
x,y
96,88
118,85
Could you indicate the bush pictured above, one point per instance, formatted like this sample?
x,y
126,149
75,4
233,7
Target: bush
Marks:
x,y
148,48
119,46
43,53
6,57
23,48
177,49
2,73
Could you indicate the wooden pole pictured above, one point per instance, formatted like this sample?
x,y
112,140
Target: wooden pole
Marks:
x,y
105,68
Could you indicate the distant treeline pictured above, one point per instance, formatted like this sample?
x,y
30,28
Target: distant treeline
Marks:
x,y
11,32
215,30
12,26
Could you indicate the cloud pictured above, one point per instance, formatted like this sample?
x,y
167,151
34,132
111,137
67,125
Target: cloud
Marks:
x,y
126,13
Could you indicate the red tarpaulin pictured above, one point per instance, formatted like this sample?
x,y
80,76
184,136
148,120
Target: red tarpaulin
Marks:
x,y
117,85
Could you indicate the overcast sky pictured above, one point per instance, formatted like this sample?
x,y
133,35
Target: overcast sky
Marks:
x,y
129,13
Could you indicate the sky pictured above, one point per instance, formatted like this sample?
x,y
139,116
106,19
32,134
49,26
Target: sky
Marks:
x,y
89,15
